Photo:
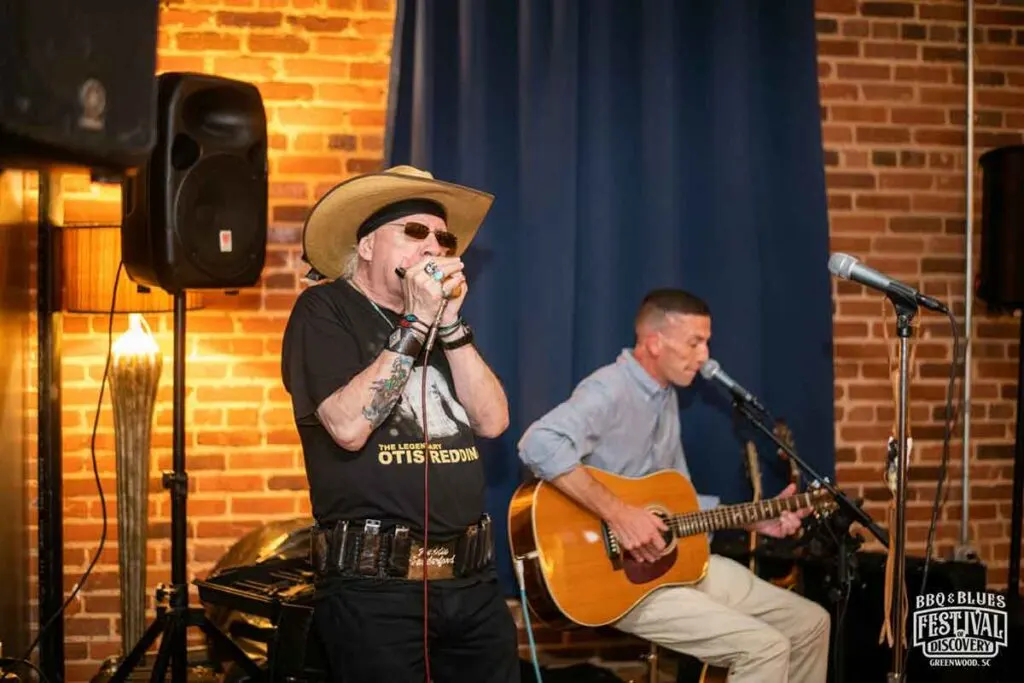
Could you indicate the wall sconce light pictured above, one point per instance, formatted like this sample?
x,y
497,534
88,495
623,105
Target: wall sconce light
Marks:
x,y
91,255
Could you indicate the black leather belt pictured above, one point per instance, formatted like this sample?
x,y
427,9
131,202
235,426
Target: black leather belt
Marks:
x,y
360,548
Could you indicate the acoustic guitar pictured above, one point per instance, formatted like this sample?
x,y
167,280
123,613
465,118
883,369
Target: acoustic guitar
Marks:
x,y
575,571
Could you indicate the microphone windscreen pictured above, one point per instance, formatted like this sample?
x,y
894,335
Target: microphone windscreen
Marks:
x,y
840,265
710,367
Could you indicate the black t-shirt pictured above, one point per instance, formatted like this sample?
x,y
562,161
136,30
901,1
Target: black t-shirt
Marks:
x,y
333,334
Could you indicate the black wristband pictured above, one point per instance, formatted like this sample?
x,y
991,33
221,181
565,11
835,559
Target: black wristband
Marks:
x,y
404,342
467,338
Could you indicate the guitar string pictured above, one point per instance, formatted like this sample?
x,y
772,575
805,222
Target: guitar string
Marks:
x,y
736,514
690,523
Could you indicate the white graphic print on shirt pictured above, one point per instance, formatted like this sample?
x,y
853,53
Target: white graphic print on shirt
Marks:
x,y
442,408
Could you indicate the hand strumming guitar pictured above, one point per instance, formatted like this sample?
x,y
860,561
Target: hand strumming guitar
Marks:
x,y
786,525
639,531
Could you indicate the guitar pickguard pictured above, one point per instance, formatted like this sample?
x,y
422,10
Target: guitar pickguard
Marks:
x,y
644,572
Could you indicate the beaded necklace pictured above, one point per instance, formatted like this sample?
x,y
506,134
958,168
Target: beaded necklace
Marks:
x,y
372,303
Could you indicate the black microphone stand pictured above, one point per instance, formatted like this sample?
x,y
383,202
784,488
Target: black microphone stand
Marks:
x,y
174,615
849,512
856,512
905,300
906,308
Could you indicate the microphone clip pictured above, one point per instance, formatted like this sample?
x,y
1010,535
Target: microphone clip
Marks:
x,y
753,403
905,301
711,370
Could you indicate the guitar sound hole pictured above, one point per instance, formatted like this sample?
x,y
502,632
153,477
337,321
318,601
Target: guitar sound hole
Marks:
x,y
667,536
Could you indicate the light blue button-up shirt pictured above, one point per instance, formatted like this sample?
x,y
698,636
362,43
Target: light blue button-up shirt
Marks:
x,y
618,419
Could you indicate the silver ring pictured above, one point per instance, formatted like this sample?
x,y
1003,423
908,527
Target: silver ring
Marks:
x,y
430,268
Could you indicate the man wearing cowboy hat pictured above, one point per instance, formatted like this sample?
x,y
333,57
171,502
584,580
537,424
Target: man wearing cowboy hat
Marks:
x,y
388,435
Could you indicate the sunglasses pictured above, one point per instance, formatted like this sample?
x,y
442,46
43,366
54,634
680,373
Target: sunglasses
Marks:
x,y
418,231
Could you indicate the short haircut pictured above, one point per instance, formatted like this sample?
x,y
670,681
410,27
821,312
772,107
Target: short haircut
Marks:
x,y
660,302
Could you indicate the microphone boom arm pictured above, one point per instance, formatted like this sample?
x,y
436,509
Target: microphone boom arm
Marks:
x,y
856,512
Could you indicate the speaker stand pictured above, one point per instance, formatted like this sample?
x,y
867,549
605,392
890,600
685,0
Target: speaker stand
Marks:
x,y
174,616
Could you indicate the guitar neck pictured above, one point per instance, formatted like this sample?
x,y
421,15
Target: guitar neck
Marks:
x,y
736,516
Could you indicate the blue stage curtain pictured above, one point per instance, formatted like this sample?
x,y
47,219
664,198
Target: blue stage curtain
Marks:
x,y
632,144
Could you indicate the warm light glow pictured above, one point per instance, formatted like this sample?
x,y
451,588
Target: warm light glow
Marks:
x,y
91,255
136,341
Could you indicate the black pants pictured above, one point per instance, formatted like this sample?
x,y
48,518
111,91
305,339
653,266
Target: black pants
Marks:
x,y
373,631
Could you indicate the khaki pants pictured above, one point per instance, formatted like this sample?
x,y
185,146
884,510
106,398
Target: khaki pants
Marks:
x,y
733,619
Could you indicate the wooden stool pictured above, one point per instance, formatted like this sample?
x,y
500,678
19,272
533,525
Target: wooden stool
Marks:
x,y
652,664
708,673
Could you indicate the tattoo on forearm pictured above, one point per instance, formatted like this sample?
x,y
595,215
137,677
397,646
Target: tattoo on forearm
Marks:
x,y
386,391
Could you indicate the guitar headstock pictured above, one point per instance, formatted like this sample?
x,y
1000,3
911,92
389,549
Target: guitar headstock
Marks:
x,y
822,500
784,434
753,468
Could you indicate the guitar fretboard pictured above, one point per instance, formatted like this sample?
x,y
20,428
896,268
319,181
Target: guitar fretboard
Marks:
x,y
736,516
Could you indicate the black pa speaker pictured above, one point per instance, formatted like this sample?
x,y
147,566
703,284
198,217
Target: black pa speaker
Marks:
x,y
77,84
863,658
1001,272
195,216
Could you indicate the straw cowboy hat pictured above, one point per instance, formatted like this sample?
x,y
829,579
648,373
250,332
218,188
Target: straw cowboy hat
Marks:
x,y
332,227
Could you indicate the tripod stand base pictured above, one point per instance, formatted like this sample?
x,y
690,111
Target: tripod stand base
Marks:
x,y
171,626
197,672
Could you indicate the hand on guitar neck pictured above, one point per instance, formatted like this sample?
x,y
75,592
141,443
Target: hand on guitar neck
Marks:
x,y
786,524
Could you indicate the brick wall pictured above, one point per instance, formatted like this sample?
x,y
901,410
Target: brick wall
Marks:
x,y
893,96
322,68
893,91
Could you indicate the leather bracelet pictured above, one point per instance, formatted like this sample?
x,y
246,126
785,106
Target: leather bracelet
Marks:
x,y
422,328
461,341
409,320
405,342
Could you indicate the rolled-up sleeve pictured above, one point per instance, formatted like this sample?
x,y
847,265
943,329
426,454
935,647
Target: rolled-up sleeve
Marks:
x,y
558,441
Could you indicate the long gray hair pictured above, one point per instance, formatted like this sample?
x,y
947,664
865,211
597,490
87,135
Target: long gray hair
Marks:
x,y
350,264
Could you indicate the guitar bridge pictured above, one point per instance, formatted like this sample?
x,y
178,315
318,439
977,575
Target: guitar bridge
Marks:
x,y
611,545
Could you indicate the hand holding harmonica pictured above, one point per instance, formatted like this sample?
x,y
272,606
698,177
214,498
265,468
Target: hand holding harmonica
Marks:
x,y
429,282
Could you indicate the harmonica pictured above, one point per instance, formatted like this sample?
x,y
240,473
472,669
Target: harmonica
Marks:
x,y
454,294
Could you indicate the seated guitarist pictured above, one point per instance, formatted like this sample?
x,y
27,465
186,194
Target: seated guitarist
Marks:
x,y
624,418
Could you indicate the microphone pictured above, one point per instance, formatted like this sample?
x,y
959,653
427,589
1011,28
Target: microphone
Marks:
x,y
711,370
849,268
